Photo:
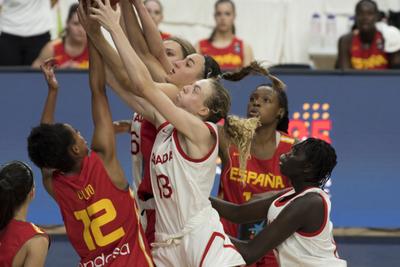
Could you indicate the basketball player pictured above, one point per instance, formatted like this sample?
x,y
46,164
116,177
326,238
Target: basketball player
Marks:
x,y
269,103
188,230
299,229
21,243
99,211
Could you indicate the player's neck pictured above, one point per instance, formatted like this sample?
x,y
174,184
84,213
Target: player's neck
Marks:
x,y
367,37
224,36
264,134
21,213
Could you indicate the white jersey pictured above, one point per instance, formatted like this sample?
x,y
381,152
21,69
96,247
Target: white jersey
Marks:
x,y
181,185
136,153
307,249
188,229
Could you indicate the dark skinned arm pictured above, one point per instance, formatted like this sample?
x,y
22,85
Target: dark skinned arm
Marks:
x,y
343,60
246,213
304,214
103,140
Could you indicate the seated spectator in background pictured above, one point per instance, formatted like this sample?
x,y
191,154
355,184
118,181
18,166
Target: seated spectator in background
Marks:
x,y
366,47
25,29
21,242
155,10
230,52
69,51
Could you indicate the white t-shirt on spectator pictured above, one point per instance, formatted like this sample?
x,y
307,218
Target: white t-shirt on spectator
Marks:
x,y
25,17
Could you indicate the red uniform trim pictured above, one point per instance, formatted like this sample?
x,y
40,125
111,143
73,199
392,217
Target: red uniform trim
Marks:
x,y
312,234
185,156
210,241
165,123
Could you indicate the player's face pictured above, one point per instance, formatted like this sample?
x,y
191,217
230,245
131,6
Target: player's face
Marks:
x,y
293,163
366,17
173,51
224,17
264,103
75,29
80,142
192,97
155,12
187,71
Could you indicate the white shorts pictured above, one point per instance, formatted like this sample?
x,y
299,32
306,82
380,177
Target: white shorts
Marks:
x,y
205,246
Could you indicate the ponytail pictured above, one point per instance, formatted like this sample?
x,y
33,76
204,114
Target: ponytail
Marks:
x,y
277,85
16,181
240,133
7,201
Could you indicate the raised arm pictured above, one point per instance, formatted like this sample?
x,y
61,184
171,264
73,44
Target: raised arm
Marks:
x,y
152,35
50,105
103,140
48,112
144,45
189,125
108,53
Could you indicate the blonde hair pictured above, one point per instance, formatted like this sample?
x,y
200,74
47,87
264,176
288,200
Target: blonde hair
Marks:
x,y
240,133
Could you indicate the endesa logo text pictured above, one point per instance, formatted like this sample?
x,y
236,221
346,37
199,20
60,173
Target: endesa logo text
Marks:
x,y
312,121
103,260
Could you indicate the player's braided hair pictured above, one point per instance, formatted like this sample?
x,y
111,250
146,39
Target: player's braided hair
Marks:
x,y
16,181
321,156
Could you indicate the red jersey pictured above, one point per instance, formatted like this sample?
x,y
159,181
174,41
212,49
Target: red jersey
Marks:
x,y
13,237
61,56
260,176
229,58
101,220
148,135
373,58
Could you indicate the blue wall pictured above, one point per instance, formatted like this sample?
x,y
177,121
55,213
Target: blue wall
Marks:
x,y
363,121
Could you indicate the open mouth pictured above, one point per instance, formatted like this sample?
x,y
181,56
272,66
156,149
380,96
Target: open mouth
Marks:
x,y
253,113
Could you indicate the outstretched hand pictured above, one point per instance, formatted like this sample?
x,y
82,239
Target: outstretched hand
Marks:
x,y
48,70
91,26
106,15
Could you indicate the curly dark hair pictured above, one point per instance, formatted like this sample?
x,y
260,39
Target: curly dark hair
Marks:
x,y
48,147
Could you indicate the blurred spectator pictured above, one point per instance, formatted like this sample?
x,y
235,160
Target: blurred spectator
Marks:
x,y
69,51
230,52
24,26
368,47
155,10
